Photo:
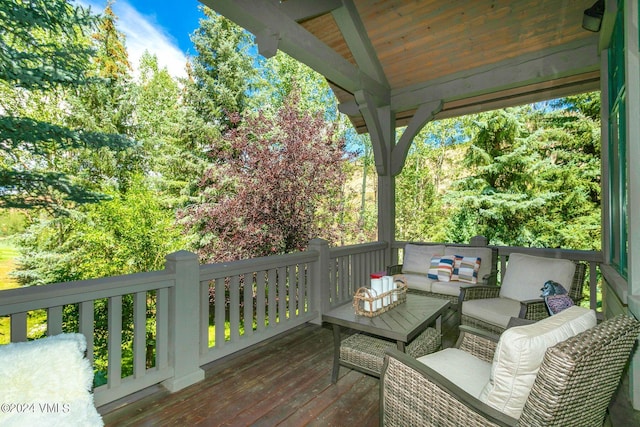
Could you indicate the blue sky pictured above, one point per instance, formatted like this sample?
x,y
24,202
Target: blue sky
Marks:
x,y
159,26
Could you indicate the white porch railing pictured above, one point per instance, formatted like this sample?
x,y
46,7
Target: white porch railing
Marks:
x,y
177,324
179,321
86,295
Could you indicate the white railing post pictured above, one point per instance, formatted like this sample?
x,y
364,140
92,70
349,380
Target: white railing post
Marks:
x,y
184,320
320,278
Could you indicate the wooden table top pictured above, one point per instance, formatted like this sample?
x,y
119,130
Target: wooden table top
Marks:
x,y
401,323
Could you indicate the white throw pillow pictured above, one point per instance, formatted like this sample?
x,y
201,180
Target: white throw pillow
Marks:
x,y
520,352
417,258
526,275
50,379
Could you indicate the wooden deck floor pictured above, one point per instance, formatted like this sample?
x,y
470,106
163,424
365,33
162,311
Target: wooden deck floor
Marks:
x,y
285,381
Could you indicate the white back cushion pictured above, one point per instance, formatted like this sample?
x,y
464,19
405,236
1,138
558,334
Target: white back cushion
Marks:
x,y
520,352
526,275
417,258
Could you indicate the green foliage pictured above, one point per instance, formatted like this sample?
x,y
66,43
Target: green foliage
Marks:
x,y
43,43
129,233
167,129
222,74
106,103
283,75
45,55
534,179
430,167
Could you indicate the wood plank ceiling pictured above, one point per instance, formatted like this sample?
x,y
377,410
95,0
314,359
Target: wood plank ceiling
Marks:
x,y
449,57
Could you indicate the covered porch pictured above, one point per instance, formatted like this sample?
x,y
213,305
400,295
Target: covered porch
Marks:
x,y
396,64
285,382
533,51
263,298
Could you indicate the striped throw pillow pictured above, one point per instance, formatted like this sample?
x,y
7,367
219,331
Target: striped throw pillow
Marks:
x,y
466,269
433,267
444,268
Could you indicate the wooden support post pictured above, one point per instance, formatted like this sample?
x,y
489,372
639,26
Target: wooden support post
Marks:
x,y
184,321
319,287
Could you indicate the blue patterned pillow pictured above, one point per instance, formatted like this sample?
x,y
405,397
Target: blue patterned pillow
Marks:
x,y
441,267
557,303
433,267
466,269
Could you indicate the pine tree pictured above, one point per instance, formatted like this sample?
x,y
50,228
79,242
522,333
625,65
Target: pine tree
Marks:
x,y
161,119
534,178
44,51
222,75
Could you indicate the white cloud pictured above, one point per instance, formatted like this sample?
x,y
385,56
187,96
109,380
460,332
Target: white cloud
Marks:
x,y
144,33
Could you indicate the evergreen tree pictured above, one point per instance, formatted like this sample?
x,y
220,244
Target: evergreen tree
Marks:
x,y
281,75
44,50
222,74
161,123
105,103
534,178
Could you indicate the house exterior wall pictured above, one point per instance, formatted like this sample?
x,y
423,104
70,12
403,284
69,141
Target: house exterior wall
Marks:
x,y
621,176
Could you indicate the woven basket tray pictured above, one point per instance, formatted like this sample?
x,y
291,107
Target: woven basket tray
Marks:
x,y
365,301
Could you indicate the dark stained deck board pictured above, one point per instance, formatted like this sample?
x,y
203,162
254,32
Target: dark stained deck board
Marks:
x,y
266,386
285,381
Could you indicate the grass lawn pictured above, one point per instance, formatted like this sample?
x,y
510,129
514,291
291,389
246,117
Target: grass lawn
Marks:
x,y
7,264
8,253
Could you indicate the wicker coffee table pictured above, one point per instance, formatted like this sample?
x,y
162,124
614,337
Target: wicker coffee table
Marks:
x,y
403,324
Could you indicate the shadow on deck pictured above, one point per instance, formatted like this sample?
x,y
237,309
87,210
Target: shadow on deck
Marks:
x,y
285,381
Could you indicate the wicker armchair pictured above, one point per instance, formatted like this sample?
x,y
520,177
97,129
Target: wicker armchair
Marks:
x,y
531,309
573,387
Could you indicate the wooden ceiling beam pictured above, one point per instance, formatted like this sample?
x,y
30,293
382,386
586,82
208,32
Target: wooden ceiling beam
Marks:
x,y
526,95
301,10
568,60
423,115
274,26
355,35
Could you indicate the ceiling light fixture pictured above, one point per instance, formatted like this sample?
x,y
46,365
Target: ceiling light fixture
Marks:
x,y
592,18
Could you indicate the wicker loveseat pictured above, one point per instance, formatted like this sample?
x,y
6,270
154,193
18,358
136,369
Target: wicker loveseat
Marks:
x,y
571,385
491,307
422,275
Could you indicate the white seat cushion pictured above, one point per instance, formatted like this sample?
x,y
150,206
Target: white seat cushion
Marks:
x,y
520,352
418,281
461,368
526,274
496,311
448,288
417,258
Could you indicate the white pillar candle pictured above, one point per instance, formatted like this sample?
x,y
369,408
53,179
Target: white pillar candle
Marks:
x,y
376,289
386,286
367,304
394,295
